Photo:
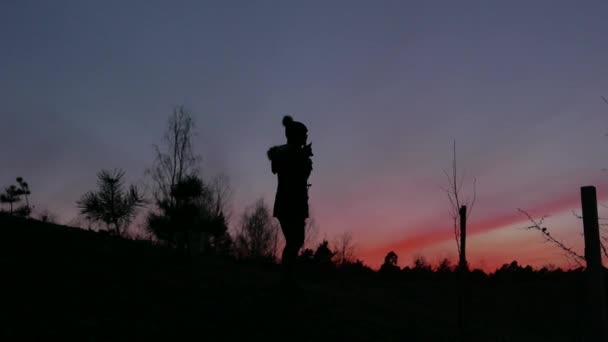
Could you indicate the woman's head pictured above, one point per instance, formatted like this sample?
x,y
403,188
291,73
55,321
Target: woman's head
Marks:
x,y
296,132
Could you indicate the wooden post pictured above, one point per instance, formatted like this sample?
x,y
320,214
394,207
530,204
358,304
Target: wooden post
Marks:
x,y
462,263
463,295
597,328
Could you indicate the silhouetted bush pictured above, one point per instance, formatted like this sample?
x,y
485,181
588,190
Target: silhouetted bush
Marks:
x,y
390,266
323,256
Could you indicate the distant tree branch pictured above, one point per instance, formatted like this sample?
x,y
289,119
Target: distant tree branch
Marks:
x,y
344,248
537,225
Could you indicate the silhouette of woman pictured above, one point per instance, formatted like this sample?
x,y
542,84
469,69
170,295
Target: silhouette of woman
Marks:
x,y
292,163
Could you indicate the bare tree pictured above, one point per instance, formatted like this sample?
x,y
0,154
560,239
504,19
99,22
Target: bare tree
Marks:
x,y
177,160
222,193
175,166
47,216
257,234
460,207
311,232
344,249
217,238
111,203
195,220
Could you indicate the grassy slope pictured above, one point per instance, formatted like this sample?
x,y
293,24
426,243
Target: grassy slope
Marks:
x,y
60,282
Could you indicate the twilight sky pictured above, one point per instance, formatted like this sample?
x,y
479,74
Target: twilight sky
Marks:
x,y
384,87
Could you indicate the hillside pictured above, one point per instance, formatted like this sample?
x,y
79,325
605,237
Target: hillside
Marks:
x,y
66,283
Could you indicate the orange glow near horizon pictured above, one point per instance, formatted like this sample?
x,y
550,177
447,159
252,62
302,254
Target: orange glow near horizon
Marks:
x,y
492,241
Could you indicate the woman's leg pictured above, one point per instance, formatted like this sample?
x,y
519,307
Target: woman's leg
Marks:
x,y
293,230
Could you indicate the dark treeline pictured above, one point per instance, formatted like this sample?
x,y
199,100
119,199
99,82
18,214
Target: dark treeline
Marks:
x,y
62,281
323,258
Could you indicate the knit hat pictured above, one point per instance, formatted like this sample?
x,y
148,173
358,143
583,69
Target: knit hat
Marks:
x,y
293,128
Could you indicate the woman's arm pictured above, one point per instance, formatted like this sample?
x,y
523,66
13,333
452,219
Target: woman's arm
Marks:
x,y
274,157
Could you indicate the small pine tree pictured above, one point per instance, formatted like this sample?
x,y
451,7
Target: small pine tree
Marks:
x,y
10,196
111,203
